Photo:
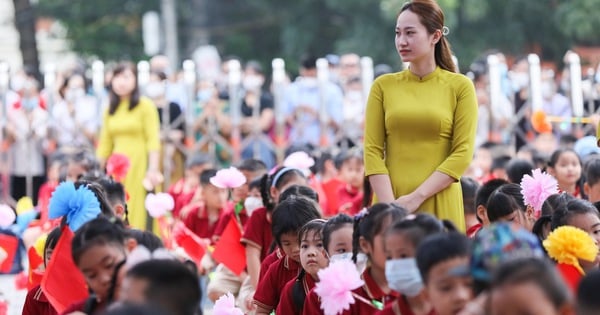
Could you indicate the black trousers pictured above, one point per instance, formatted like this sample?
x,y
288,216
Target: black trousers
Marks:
x,y
18,187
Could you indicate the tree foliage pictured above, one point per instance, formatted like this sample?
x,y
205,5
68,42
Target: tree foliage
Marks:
x,y
265,29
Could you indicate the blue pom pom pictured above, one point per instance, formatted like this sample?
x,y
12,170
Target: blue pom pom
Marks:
x,y
84,207
78,205
59,202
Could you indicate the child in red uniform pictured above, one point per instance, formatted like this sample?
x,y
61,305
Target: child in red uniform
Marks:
x,y
203,219
36,302
481,198
288,217
565,166
312,258
400,242
369,229
328,176
257,237
224,280
351,170
252,170
184,189
443,261
98,247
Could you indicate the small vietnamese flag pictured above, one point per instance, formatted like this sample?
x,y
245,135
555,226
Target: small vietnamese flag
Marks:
x,y
229,250
61,290
35,275
193,245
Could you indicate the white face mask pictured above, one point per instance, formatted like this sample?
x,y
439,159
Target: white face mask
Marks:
x,y
155,89
252,83
72,95
361,260
251,204
354,96
403,276
310,82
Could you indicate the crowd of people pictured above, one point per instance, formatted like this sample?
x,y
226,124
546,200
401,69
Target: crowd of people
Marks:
x,y
443,200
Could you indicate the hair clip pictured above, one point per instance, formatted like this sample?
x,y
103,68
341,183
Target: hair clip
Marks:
x,y
361,214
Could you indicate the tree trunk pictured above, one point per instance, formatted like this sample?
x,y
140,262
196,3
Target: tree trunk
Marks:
x,y
25,24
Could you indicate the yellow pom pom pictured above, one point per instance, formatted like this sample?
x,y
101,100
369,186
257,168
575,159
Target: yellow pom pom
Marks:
x,y
24,204
39,244
568,244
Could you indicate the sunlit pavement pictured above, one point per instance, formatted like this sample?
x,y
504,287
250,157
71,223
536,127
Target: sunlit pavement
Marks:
x,y
14,297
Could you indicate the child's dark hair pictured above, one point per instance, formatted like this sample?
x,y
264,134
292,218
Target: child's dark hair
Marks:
x,y
252,165
299,191
517,168
550,205
371,223
415,228
170,285
587,294
347,155
277,179
86,159
255,183
538,271
135,309
563,214
51,240
105,206
500,162
592,171
556,155
484,192
298,293
206,175
438,248
333,224
99,231
505,200
115,194
469,189
291,214
146,239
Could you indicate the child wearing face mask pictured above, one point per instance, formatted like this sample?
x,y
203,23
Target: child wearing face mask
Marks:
x,y
312,259
443,261
400,242
368,233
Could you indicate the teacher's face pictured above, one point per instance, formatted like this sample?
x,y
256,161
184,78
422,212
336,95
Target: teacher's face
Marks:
x,y
124,83
413,41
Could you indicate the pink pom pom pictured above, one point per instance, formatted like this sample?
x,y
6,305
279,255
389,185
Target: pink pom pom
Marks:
x,y
225,305
228,178
159,204
7,216
300,160
537,188
335,286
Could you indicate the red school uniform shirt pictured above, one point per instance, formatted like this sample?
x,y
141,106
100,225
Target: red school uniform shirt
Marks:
x,y
399,307
258,232
350,200
370,291
286,304
269,288
331,188
36,303
269,260
199,223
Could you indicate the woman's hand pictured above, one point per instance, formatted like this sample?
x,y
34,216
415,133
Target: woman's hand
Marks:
x,y
153,178
410,202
